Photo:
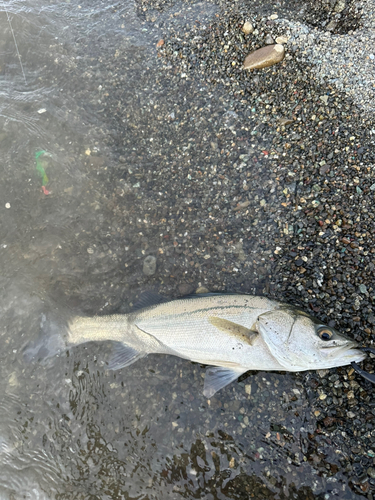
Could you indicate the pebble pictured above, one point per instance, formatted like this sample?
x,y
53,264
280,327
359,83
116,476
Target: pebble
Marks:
x,y
202,289
339,6
149,265
281,39
264,57
7,205
285,121
247,28
363,288
269,40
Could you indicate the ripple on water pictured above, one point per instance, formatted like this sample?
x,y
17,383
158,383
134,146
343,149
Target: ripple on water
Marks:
x,y
26,471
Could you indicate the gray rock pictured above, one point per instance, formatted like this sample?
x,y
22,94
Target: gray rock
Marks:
x,y
149,265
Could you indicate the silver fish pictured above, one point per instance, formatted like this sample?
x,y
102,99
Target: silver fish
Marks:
x,y
233,333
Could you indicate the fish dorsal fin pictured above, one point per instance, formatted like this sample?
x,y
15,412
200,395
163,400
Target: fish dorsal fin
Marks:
x,y
234,329
208,294
147,299
218,377
123,355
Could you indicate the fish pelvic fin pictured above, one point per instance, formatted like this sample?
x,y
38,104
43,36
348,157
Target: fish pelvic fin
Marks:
x,y
218,377
123,356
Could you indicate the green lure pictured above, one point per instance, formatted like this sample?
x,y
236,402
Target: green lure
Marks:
x,y
40,168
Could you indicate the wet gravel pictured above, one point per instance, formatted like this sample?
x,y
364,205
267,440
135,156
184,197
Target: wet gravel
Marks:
x,y
263,182
201,174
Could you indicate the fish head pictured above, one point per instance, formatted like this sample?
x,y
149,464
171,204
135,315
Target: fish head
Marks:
x,y
301,342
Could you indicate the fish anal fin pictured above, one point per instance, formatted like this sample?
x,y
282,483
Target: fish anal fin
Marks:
x,y
218,377
234,329
123,356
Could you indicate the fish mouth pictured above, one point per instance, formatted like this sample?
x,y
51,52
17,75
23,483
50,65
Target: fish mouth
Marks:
x,y
347,353
366,375
342,354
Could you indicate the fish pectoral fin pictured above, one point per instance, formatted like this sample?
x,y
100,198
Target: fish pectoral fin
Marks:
x,y
218,377
123,355
234,329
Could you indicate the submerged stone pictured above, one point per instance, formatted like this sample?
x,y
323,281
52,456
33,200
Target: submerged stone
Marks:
x,y
264,57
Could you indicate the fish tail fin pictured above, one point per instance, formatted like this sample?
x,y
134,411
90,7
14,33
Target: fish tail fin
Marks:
x,y
51,341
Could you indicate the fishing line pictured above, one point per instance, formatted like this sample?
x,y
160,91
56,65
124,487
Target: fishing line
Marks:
x,y
15,42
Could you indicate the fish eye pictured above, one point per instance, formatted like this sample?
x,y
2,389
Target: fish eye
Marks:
x,y
325,333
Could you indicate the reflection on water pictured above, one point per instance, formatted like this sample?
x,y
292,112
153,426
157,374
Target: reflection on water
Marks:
x,y
97,101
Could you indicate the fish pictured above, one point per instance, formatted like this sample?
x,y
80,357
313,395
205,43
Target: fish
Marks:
x,y
232,333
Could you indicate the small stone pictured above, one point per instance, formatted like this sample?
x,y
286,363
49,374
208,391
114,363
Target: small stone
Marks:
x,y
269,40
273,17
323,396
285,121
185,288
7,205
362,288
372,187
248,389
247,28
346,241
281,39
339,6
324,98
351,414
331,26
264,57
42,110
90,250
160,43
324,169
202,289
149,265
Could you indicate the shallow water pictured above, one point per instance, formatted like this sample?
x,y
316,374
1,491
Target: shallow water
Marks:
x,y
98,102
